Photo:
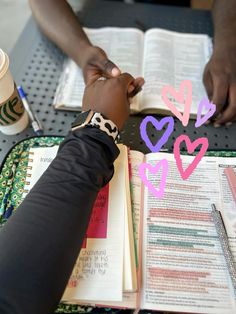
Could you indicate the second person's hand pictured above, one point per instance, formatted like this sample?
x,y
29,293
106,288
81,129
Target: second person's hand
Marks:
x,y
111,97
220,82
95,64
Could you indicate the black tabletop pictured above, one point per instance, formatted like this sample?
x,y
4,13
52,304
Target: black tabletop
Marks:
x,y
36,64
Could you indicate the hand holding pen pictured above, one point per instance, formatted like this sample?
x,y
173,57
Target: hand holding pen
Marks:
x,y
36,125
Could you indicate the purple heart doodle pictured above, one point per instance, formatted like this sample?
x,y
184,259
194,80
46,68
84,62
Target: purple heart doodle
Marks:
x,y
159,126
210,107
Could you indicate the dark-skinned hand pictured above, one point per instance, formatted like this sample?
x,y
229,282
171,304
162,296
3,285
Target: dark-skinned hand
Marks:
x,y
95,64
111,97
220,82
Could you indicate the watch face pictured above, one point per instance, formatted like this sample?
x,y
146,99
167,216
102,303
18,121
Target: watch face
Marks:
x,y
81,118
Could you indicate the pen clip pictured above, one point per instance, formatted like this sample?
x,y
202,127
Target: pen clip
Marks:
x,y
38,121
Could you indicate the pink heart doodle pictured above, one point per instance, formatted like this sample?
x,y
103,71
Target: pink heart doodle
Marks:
x,y
191,148
154,169
204,104
180,98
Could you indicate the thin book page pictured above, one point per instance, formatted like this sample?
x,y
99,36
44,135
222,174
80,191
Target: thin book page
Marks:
x,y
129,301
130,270
98,272
184,268
228,205
136,158
123,46
106,255
170,58
132,299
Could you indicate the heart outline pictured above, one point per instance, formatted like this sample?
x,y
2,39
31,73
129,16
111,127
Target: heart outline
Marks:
x,y
142,173
204,103
164,138
179,96
185,174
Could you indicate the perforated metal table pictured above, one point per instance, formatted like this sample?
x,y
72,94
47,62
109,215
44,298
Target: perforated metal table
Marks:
x,y
36,64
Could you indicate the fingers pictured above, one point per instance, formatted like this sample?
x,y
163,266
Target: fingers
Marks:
x,y
221,90
207,81
109,68
91,78
134,92
220,93
126,80
139,81
137,84
133,85
229,113
104,66
130,85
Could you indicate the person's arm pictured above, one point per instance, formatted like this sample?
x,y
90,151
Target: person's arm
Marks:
x,y
220,72
60,24
41,241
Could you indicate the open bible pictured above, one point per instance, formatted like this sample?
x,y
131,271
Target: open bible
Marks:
x,y
158,254
162,57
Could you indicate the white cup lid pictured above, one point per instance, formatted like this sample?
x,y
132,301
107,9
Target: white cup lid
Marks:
x,y
4,63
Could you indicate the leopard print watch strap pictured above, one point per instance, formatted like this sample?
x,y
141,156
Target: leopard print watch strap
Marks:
x,y
104,124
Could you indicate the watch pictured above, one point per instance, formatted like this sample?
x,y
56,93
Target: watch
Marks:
x,y
95,119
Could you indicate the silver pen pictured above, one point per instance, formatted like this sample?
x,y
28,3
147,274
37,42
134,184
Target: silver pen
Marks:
x,y
223,237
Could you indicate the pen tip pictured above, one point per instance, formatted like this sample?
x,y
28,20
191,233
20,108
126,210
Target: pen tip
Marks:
x,y
39,132
213,206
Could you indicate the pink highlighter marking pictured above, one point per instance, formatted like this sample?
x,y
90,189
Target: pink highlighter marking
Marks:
x,y
231,177
97,228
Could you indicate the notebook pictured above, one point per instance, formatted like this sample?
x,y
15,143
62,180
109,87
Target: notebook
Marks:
x,y
106,265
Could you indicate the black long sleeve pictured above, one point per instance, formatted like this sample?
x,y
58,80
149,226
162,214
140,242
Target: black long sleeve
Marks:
x,y
41,241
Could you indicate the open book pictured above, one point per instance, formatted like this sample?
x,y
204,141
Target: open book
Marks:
x,y
180,263
162,57
183,266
